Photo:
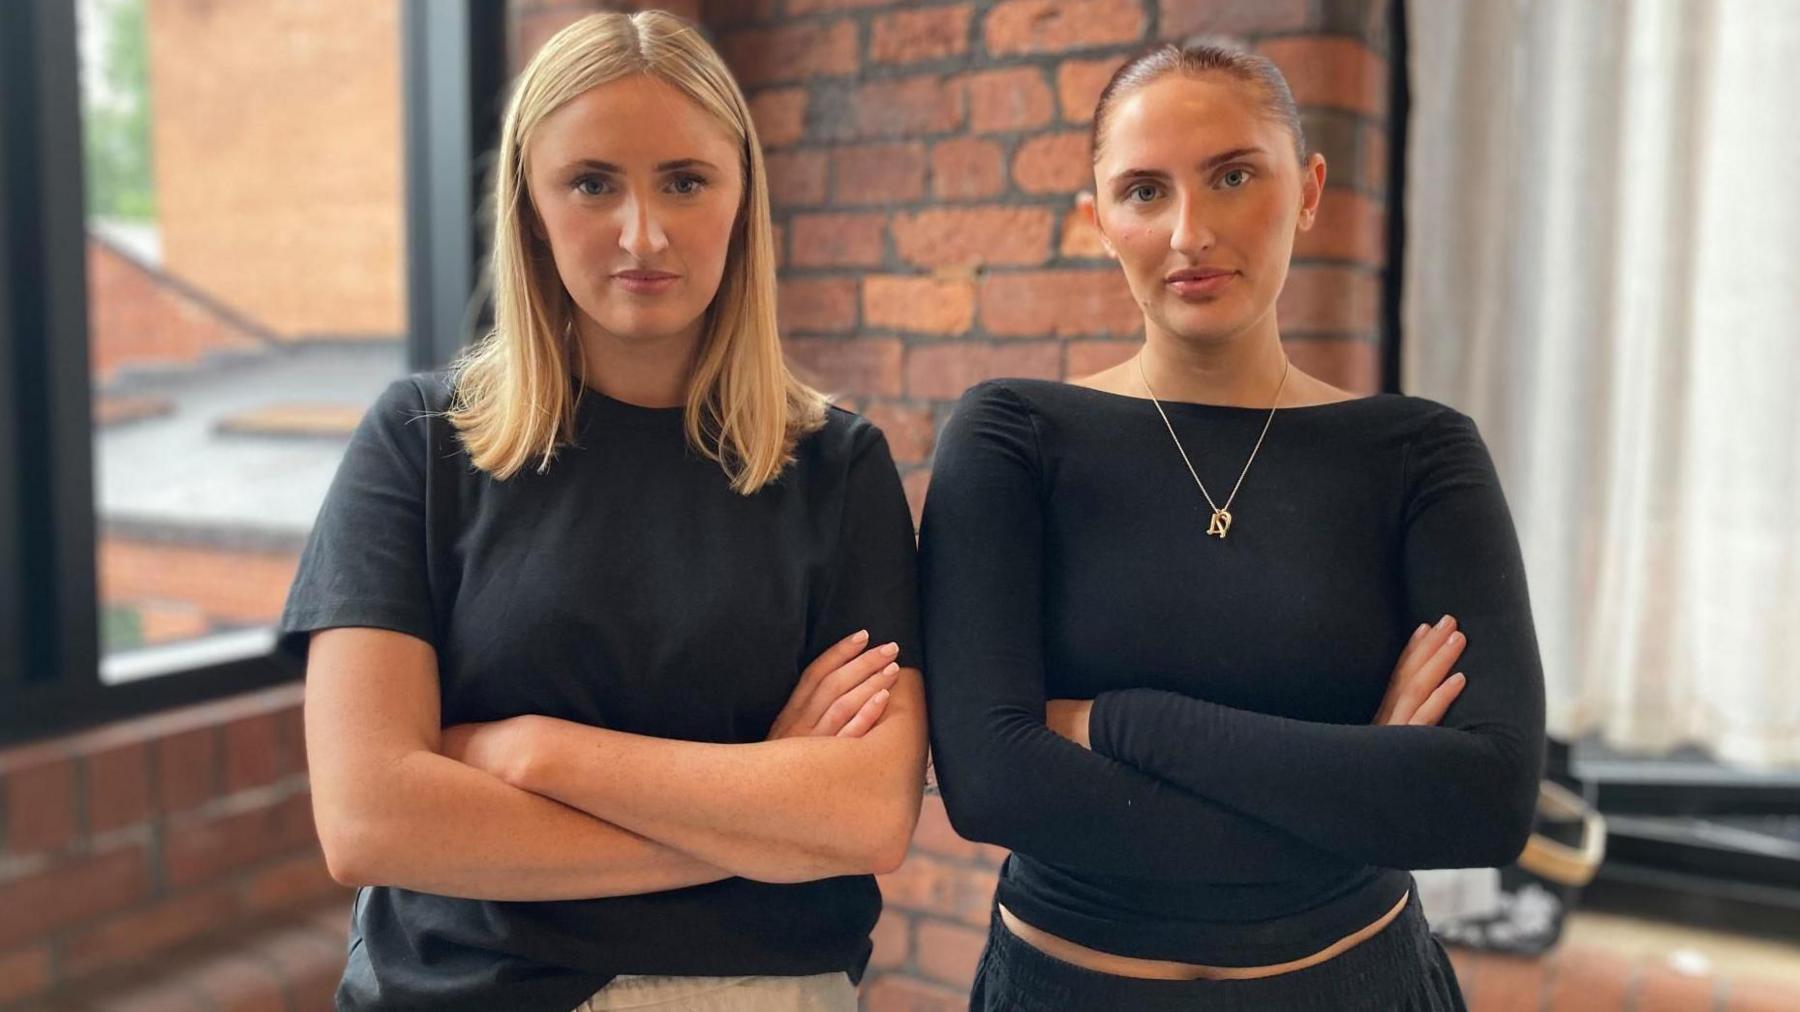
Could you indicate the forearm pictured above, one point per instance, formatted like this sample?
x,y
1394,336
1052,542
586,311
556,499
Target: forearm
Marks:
x,y
432,824
1009,780
1401,796
789,810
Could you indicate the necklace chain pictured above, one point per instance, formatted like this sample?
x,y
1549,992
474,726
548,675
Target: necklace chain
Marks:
x,y
1221,518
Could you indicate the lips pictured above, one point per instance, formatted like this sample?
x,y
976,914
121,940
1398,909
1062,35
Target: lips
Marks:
x,y
1196,274
645,275
645,282
1199,282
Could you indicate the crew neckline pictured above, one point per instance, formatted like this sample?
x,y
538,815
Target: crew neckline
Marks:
x,y
591,402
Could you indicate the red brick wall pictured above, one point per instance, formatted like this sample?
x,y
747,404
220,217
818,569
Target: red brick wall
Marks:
x,y
924,159
123,844
278,145
135,316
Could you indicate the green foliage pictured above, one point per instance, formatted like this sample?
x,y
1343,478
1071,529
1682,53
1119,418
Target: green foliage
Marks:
x,y
116,115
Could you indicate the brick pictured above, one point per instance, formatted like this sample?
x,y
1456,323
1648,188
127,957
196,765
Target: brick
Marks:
x,y
140,933
942,371
780,116
187,769
1086,358
199,849
1352,363
972,236
914,484
966,168
1374,159
1335,72
1349,226
893,941
1080,239
1234,17
1340,137
815,6
890,993
796,178
1079,83
790,52
922,305
912,36
289,883
1054,163
40,803
1365,19
717,14
309,959
817,305
907,107
73,891
910,430
948,952
238,983
252,752
934,834
869,366
1004,100
118,786
1067,303
837,240
892,173
1046,26
24,973
1328,299
290,727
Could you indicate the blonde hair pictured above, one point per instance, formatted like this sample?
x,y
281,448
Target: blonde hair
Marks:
x,y
514,396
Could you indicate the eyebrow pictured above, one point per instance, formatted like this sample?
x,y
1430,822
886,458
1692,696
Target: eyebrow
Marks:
x,y
679,163
1218,159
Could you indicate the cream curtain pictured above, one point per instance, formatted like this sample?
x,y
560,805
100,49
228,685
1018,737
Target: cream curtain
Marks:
x,y
1603,269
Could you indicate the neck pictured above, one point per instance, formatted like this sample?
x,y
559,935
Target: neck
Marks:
x,y
648,372
1243,370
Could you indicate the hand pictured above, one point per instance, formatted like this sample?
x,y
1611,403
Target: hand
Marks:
x,y
1069,718
842,693
500,747
1418,692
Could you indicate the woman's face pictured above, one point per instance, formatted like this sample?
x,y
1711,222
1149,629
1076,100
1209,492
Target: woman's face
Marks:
x,y
1198,195
637,191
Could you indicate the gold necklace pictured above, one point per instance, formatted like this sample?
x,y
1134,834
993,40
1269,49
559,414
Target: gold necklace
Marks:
x,y
1221,515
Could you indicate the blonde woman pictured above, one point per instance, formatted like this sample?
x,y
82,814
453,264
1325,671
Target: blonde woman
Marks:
x,y
612,690
1220,651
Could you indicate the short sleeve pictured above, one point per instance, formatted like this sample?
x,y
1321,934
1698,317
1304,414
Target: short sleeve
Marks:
x,y
364,563
873,581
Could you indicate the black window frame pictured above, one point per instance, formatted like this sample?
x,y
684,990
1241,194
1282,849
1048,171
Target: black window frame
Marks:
x,y
454,76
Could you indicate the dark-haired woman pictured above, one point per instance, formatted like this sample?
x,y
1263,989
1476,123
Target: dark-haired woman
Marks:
x,y
1221,652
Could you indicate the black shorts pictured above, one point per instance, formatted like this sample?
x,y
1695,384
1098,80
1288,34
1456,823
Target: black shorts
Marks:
x,y
1401,968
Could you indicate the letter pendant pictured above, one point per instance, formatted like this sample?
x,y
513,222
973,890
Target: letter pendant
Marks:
x,y
1221,522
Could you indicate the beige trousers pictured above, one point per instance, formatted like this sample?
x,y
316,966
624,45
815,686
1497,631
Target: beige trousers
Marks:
x,y
820,992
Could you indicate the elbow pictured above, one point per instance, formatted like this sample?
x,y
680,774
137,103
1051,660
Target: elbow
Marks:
x,y
1508,813
891,830
348,857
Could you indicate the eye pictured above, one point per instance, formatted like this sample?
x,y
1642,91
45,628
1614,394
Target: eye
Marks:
x,y
581,185
1242,175
1139,188
693,183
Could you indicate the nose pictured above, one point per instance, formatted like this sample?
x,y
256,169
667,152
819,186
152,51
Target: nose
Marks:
x,y
640,233
1191,236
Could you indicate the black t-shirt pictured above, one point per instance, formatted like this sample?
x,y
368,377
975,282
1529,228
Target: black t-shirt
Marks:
x,y
1237,807
630,588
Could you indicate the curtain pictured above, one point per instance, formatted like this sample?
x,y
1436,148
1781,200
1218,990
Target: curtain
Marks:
x,y
1603,269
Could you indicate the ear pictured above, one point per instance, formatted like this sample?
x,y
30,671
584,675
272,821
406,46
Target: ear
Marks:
x,y
1084,202
1312,189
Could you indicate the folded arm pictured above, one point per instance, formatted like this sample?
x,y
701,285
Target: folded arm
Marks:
x,y
1006,777
789,810
1461,794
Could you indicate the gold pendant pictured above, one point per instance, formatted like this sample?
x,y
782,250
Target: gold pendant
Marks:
x,y
1221,522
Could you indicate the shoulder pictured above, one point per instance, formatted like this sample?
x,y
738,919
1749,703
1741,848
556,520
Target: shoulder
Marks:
x,y
409,397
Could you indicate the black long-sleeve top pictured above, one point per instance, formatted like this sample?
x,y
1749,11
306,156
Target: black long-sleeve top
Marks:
x,y
1237,807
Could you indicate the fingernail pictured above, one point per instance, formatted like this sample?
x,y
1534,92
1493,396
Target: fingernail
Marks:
x,y
892,649
890,669
1443,623
860,634
1420,631
883,694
